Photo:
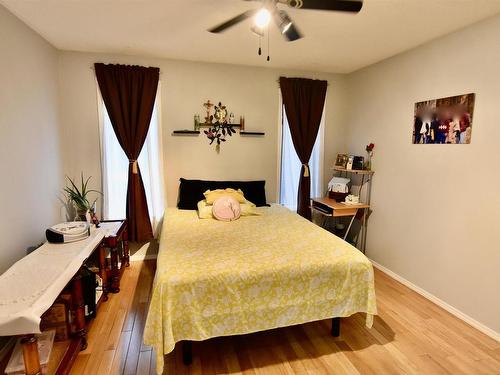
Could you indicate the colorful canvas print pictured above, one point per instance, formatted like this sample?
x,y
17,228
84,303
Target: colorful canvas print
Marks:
x,y
444,121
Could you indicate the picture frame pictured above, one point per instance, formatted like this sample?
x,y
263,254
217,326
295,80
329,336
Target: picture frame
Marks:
x,y
444,121
341,160
350,162
358,162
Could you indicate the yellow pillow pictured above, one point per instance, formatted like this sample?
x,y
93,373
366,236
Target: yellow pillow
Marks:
x,y
205,209
212,195
248,209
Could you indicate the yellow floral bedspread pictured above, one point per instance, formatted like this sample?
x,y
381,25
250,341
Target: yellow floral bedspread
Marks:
x,y
259,272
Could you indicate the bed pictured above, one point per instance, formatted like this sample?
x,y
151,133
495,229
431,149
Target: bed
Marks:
x,y
260,272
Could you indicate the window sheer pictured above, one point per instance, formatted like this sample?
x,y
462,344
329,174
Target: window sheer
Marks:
x,y
115,169
290,165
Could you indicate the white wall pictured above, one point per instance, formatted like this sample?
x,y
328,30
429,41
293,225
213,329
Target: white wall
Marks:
x,y
29,139
249,91
436,208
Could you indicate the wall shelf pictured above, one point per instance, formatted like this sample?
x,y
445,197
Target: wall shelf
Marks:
x,y
355,171
205,125
252,133
185,132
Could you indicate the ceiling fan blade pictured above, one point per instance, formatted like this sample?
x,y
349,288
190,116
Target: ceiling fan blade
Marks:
x,y
334,5
292,33
233,21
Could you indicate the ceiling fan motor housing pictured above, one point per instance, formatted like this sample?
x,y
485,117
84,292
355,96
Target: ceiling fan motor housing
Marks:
x,y
295,3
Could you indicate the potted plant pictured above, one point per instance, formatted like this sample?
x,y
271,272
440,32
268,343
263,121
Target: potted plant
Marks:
x,y
79,197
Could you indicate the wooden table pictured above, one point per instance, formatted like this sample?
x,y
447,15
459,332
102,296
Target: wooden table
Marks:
x,y
328,207
117,242
68,350
61,360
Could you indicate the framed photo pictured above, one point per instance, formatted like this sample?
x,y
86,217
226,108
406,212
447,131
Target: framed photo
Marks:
x,y
358,162
341,160
350,162
444,121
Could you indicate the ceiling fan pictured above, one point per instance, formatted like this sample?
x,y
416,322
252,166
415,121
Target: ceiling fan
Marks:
x,y
269,9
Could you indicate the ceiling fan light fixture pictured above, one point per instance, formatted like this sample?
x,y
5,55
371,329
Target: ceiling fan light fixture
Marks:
x,y
262,18
257,31
292,33
283,21
286,28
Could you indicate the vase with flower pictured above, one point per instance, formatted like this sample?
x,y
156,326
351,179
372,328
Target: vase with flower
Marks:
x,y
369,150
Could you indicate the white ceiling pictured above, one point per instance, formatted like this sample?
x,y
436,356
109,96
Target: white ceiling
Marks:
x,y
334,41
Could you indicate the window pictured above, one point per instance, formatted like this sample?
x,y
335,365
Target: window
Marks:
x,y
115,169
291,165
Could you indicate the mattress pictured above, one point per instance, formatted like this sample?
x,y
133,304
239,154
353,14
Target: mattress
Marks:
x,y
257,273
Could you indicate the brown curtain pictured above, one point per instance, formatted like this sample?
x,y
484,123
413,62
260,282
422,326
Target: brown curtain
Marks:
x,y
129,94
303,100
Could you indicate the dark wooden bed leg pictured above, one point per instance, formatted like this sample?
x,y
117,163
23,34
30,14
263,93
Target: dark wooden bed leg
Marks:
x,y
335,327
187,352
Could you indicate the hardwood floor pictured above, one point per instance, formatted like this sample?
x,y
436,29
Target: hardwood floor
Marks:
x,y
410,335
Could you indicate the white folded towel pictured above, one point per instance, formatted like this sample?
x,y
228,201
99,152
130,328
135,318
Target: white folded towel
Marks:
x,y
339,185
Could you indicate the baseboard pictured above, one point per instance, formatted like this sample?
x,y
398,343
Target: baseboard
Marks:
x,y
452,310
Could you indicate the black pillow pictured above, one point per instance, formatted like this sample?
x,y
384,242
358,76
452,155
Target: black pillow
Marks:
x,y
191,191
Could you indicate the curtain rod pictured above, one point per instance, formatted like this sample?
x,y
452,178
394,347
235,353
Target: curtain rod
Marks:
x,y
93,69
327,83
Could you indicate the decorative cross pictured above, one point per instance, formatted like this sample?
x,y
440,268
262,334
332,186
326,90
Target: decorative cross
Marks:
x,y
208,105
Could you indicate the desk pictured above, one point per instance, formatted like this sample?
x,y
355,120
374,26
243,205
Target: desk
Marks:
x,y
328,207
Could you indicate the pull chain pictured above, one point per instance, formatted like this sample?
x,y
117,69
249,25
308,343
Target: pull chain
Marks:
x,y
268,45
260,49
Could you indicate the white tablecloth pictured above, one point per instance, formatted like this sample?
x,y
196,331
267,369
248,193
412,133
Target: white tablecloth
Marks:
x,y
31,285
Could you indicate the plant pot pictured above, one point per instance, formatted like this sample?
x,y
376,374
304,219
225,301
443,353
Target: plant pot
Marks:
x,y
81,215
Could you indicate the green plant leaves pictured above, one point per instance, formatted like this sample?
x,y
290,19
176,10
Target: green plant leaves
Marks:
x,y
79,196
